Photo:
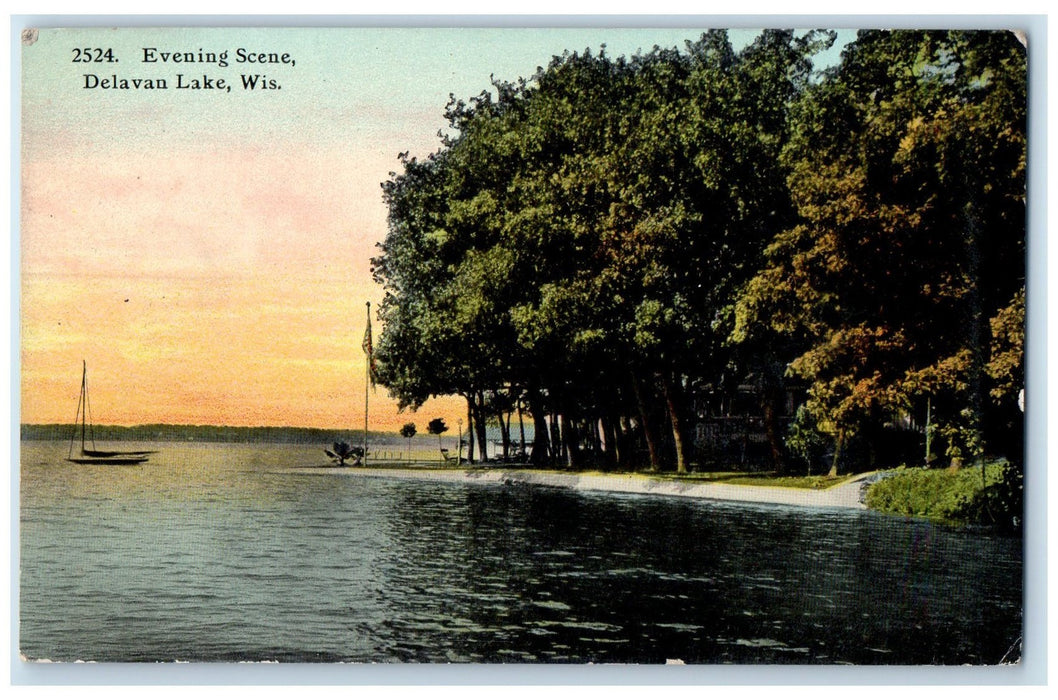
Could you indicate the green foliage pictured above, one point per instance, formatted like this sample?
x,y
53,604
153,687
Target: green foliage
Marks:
x,y
956,497
1001,504
593,221
596,240
907,168
1007,364
804,440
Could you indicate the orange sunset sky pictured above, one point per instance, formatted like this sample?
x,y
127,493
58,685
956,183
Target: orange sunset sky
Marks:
x,y
207,252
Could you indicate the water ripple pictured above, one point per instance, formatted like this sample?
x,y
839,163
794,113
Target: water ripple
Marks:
x,y
220,555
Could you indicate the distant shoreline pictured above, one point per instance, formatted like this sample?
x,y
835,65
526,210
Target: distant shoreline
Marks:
x,y
845,495
172,432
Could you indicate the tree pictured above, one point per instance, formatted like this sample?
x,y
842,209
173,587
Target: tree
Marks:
x,y
907,168
702,193
1006,369
414,354
1007,364
491,212
437,427
408,431
580,239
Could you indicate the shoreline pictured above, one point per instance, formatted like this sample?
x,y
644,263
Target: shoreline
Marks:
x,y
846,495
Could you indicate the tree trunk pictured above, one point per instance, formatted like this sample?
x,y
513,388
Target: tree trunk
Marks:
x,y
557,450
521,430
470,429
592,428
771,427
837,452
569,441
625,442
773,396
612,453
479,419
978,323
673,401
505,433
541,445
648,425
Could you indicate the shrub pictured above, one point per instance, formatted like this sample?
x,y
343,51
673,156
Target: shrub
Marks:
x,y
953,497
1001,505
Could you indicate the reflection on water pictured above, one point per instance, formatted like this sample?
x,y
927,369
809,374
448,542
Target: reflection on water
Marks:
x,y
224,553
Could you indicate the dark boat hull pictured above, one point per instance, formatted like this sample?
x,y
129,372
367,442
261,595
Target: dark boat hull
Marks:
x,y
109,453
127,460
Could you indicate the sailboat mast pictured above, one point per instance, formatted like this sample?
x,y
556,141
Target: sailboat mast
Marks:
x,y
78,417
84,400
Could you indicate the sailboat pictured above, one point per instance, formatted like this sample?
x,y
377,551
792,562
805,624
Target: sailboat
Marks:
x,y
94,456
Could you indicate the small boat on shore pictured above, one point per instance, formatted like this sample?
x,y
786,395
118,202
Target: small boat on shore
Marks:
x,y
93,455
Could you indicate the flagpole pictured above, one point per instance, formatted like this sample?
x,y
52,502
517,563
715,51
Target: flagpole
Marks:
x,y
367,375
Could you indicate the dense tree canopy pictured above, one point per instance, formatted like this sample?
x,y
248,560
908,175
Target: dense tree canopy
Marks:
x,y
603,244
907,167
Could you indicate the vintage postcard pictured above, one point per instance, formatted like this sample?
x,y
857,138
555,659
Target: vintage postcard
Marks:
x,y
686,345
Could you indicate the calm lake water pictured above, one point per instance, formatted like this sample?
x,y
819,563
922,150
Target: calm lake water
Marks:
x,y
225,553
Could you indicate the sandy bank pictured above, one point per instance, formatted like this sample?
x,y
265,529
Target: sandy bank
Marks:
x,y
846,495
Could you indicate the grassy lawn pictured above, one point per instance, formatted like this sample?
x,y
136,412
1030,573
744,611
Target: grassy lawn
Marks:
x,y
817,483
763,479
